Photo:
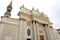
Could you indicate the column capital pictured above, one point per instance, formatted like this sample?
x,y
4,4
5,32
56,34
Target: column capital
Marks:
x,y
22,19
46,24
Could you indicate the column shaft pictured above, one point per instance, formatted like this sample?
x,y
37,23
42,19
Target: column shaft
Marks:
x,y
34,30
47,32
20,30
37,30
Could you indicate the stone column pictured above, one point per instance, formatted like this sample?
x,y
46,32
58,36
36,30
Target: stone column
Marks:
x,y
37,30
20,30
47,32
34,30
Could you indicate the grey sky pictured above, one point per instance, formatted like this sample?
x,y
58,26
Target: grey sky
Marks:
x,y
49,7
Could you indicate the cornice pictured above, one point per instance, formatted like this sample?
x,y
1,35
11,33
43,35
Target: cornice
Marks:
x,y
9,23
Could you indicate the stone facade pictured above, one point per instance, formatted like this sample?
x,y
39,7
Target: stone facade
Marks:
x,y
31,25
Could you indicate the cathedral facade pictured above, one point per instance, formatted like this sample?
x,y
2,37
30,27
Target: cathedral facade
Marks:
x,y
31,25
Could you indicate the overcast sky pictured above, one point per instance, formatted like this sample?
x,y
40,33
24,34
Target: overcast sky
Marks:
x,y
50,7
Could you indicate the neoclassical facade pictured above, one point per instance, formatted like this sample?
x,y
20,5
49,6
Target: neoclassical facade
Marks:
x,y
31,25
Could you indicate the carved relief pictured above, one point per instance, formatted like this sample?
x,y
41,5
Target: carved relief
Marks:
x,y
40,31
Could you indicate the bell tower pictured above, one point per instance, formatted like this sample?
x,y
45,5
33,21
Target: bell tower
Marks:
x,y
8,12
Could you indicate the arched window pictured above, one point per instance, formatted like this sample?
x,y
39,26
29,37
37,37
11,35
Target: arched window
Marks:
x,y
8,37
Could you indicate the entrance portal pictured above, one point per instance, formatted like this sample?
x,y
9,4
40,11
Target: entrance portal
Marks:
x,y
28,39
41,37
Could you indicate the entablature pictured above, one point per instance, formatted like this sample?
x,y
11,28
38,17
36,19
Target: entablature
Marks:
x,y
33,15
29,17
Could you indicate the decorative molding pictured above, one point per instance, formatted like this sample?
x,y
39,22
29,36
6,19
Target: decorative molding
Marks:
x,y
8,23
22,19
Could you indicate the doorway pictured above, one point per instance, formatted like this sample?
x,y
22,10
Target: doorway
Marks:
x,y
28,39
41,37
